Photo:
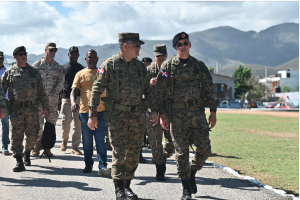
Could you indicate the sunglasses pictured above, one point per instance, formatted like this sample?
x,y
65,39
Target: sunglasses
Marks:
x,y
180,44
137,45
22,54
52,50
1,58
160,56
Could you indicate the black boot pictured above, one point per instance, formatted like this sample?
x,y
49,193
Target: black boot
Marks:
x,y
160,172
193,181
186,195
119,187
20,165
128,192
142,159
27,158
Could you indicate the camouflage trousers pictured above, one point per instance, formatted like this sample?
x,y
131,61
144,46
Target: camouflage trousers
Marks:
x,y
52,117
24,119
190,124
155,133
126,137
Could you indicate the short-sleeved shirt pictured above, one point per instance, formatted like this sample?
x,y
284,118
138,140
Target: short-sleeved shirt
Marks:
x,y
70,71
83,81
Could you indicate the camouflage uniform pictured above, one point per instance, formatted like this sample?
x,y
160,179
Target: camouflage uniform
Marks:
x,y
53,80
159,152
27,87
188,121
124,127
2,98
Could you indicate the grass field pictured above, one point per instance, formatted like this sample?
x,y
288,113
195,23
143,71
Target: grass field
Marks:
x,y
261,146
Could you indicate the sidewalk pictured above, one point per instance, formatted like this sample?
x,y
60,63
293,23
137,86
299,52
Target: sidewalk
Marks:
x,y
63,179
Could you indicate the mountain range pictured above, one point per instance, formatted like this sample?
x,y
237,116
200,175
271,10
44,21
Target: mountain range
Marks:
x,y
275,48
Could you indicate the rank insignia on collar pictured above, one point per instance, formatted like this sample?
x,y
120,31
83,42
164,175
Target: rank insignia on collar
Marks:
x,y
164,73
100,71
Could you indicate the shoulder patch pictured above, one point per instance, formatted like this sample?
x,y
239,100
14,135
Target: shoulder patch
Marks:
x,y
100,70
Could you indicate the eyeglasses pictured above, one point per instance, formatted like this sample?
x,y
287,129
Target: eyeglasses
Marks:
x,y
137,45
180,44
52,50
1,58
22,54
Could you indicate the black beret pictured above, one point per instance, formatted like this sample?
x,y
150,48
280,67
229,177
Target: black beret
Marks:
x,y
180,36
19,49
147,59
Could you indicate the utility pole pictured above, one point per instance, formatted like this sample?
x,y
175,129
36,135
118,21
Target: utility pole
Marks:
x,y
266,74
217,69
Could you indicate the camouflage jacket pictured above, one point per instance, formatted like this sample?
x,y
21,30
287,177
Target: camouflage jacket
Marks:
x,y
186,82
27,85
53,76
129,82
153,69
2,98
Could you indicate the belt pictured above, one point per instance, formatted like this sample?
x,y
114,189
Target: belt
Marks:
x,y
25,103
186,104
126,108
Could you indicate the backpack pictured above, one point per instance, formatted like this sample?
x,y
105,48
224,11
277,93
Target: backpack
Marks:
x,y
48,138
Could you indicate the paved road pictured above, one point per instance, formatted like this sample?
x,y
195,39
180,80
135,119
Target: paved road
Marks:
x,y
63,179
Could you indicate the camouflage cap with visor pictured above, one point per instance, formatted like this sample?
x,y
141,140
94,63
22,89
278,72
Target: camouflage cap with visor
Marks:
x,y
160,49
50,45
133,37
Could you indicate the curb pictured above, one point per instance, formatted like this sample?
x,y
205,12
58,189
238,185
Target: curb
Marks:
x,y
251,179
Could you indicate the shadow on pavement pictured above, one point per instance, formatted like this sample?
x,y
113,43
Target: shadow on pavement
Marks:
x,y
208,197
216,155
43,182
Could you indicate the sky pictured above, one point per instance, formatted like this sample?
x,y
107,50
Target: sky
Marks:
x,y
34,23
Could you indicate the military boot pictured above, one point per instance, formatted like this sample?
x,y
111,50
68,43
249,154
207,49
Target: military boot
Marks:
x,y
186,195
27,161
37,148
160,172
20,165
128,192
193,181
119,187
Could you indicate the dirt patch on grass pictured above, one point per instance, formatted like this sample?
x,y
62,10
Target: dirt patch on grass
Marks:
x,y
257,112
271,134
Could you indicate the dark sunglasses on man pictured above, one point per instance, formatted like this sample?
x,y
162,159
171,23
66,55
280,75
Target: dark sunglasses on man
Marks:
x,y
180,44
52,50
22,54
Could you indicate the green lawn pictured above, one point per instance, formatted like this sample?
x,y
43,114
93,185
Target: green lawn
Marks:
x,y
261,146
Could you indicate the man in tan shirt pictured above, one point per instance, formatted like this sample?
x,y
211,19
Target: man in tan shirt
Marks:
x,y
83,82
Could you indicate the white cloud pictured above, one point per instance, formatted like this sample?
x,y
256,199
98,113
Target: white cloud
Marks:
x,y
33,24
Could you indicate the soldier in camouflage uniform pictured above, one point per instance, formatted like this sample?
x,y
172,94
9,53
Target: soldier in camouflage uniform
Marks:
x,y
126,120
26,91
53,79
2,103
188,82
160,153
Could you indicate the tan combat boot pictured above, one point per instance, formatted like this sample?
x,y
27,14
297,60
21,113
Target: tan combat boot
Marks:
x,y
63,146
37,148
76,151
49,153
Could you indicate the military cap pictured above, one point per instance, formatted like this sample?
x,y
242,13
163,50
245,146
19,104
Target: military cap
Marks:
x,y
134,37
147,59
180,36
160,49
50,45
73,49
19,49
1,54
